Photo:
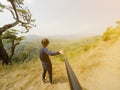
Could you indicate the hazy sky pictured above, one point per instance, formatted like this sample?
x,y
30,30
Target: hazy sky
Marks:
x,y
66,17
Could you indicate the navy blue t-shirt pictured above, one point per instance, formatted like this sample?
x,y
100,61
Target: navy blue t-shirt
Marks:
x,y
44,55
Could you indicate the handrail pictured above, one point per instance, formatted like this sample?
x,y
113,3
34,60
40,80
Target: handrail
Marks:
x,y
74,84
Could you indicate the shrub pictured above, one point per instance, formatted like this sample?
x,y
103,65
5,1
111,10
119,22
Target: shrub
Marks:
x,y
111,33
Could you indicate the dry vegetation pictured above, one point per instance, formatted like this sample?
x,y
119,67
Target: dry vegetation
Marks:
x,y
96,65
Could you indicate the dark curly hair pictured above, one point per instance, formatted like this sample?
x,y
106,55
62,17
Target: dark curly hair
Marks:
x,y
45,42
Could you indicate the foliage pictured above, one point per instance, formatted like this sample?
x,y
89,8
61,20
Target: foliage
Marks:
x,y
112,33
26,51
20,13
74,48
1,7
11,40
21,16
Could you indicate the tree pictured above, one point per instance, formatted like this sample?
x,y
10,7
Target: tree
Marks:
x,y
22,17
11,40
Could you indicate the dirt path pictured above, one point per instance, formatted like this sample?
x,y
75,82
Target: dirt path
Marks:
x,y
31,79
107,75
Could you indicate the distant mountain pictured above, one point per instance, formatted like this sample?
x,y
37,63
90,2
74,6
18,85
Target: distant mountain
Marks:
x,y
65,37
32,37
71,37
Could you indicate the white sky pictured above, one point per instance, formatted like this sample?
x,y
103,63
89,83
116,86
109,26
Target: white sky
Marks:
x,y
66,17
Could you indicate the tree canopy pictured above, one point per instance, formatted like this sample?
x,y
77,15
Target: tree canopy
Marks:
x,y
22,17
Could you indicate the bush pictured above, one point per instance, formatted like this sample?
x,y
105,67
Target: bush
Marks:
x,y
111,33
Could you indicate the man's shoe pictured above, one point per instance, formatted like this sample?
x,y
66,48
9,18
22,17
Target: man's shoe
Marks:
x,y
50,83
43,81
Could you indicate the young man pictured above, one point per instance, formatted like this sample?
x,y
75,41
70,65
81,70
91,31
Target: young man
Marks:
x,y
44,57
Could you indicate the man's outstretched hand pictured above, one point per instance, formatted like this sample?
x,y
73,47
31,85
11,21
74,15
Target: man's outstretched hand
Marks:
x,y
61,52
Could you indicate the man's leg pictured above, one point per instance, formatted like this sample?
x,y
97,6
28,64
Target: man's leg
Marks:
x,y
44,74
50,73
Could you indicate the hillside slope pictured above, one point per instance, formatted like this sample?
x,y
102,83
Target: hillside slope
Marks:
x,y
101,68
98,69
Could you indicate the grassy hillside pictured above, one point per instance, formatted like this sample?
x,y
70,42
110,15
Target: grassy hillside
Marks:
x,y
29,48
94,60
21,75
90,69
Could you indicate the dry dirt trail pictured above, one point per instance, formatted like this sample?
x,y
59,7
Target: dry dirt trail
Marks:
x,y
107,75
30,79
